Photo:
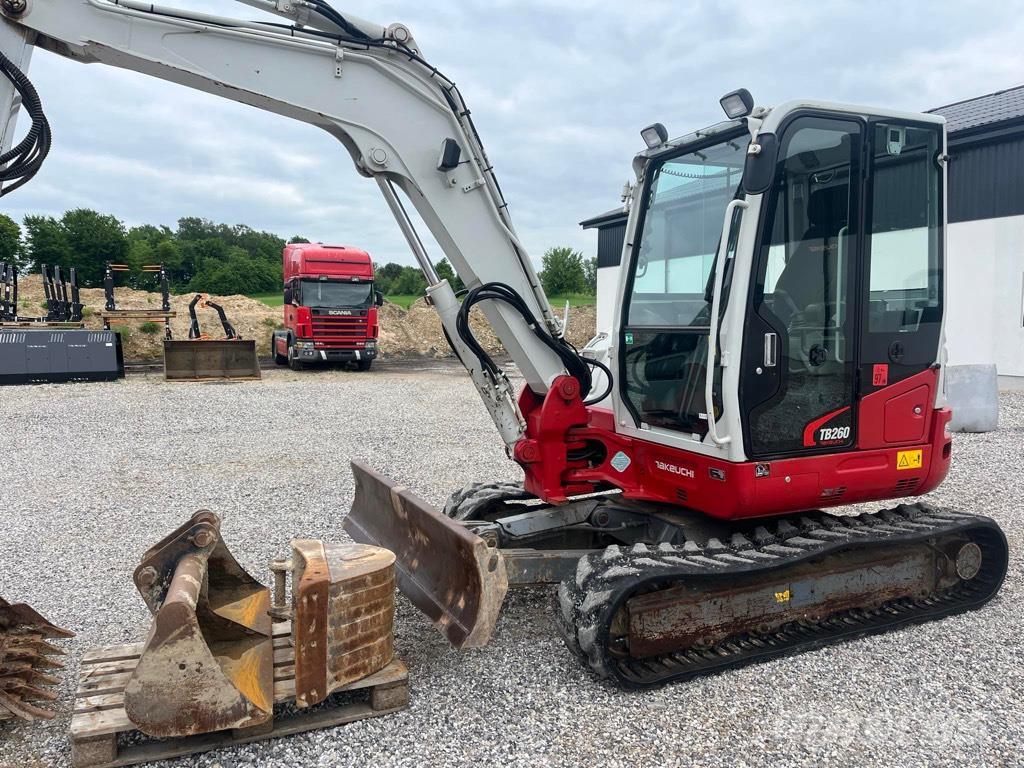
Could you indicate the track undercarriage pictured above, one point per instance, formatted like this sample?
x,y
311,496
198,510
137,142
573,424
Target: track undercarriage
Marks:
x,y
649,595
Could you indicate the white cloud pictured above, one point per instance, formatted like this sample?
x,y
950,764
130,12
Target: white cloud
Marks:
x,y
559,90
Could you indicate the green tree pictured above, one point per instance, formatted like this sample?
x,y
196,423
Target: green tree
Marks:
x,y
10,240
410,283
590,274
385,276
227,259
81,238
445,272
93,239
563,272
297,239
45,242
236,272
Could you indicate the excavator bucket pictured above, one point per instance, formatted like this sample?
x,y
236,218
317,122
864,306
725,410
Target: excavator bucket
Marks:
x,y
25,660
343,615
447,572
207,664
199,360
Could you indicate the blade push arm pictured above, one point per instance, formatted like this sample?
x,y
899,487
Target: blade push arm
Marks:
x,y
402,122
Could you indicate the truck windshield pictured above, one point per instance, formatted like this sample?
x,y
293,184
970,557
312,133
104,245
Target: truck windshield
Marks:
x,y
336,294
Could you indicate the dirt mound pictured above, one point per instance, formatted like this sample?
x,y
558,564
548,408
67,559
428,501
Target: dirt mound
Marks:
x,y
416,331
252,319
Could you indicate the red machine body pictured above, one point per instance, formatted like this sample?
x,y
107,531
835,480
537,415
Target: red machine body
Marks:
x,y
903,449
330,309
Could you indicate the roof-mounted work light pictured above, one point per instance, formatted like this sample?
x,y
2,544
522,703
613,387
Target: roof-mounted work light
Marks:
x,y
737,103
654,135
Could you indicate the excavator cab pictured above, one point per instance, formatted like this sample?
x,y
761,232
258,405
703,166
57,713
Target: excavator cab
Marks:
x,y
829,288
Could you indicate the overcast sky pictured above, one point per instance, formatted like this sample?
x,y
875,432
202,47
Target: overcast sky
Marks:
x,y
559,91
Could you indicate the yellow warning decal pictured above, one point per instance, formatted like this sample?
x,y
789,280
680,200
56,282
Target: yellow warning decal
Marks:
x,y
782,597
910,459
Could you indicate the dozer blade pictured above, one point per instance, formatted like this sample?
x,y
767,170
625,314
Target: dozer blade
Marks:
x,y
199,360
23,653
207,664
446,571
343,616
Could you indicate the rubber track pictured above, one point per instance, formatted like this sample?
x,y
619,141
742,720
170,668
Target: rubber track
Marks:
x,y
604,581
466,503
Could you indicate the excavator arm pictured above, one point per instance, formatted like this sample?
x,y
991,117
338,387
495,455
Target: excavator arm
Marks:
x,y
404,124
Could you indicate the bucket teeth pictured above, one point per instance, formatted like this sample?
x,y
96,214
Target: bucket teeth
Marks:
x,y
23,653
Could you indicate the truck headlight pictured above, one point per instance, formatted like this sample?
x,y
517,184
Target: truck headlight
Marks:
x,y
371,344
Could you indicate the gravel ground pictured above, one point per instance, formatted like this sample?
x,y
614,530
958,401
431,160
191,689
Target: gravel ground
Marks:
x,y
94,474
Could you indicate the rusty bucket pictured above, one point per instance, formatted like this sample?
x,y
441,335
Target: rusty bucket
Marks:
x,y
445,570
211,359
207,664
342,613
26,660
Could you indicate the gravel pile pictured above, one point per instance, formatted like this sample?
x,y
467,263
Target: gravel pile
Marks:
x,y
94,474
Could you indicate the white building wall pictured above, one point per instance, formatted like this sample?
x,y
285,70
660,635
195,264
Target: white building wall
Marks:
x,y
607,285
985,294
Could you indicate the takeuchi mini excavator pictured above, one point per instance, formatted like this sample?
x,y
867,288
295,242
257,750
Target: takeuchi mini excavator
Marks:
x,y
778,350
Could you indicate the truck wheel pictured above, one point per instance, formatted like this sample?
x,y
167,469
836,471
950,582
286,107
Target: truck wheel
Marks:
x,y
293,362
364,365
278,359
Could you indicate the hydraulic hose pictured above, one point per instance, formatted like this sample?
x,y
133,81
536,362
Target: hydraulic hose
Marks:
x,y
577,366
21,163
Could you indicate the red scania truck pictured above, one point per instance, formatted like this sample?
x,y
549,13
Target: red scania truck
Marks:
x,y
330,307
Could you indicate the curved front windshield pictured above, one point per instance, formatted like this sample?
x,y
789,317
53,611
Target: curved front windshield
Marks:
x,y
315,293
682,226
665,338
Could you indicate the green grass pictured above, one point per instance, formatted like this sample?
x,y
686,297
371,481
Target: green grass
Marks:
x,y
575,300
270,299
403,301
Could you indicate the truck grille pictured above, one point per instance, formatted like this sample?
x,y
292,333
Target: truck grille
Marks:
x,y
340,330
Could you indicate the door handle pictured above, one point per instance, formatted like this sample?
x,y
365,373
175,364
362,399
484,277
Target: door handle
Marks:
x,y
771,349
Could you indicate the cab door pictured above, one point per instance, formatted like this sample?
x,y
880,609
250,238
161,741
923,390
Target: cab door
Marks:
x,y
798,385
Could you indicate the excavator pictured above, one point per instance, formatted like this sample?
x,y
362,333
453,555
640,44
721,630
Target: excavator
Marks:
x,y
777,351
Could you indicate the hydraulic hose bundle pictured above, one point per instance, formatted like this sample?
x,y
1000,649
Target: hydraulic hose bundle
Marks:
x,y
21,163
578,367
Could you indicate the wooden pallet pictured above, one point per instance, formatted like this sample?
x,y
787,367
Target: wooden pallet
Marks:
x,y
137,314
99,717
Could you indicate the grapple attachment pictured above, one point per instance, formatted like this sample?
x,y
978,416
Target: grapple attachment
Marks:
x,y
201,359
24,654
343,608
207,664
447,572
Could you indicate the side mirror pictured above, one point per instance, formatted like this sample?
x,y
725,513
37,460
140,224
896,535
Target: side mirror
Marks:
x,y
759,169
378,298
288,295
